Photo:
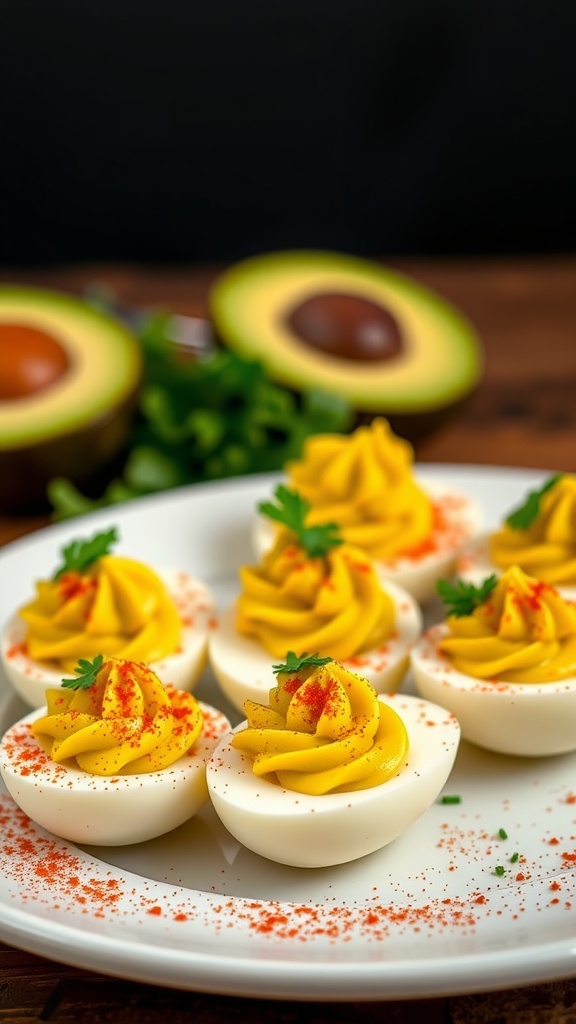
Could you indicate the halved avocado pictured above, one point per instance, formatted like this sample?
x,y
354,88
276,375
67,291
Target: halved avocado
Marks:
x,y
69,379
373,336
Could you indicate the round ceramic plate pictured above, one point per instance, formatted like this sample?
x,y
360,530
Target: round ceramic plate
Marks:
x,y
479,894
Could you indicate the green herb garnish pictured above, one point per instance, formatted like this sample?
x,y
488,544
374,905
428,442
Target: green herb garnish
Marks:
x,y
502,833
80,554
499,870
291,511
450,799
294,663
524,516
514,858
465,597
86,672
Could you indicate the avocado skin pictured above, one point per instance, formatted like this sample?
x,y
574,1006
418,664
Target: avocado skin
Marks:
x,y
80,456
413,413
82,453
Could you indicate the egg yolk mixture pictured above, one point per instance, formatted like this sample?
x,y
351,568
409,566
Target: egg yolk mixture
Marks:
x,y
117,607
125,723
331,604
525,632
324,731
546,548
364,482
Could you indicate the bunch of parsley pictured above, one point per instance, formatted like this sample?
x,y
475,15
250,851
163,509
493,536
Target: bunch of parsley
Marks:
x,y
204,419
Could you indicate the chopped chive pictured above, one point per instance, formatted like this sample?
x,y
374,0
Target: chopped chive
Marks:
x,y
502,833
450,799
499,870
514,858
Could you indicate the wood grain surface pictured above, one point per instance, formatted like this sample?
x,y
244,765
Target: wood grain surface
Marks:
x,y
523,414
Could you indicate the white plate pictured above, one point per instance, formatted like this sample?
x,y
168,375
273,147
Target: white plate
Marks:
x,y
426,916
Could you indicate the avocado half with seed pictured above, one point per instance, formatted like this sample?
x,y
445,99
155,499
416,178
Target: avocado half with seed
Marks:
x,y
350,326
69,379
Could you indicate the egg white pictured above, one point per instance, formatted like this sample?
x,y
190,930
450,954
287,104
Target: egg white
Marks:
x,y
417,575
474,564
182,670
243,667
103,811
319,831
521,719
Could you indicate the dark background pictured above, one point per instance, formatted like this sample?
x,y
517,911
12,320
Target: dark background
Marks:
x,y
186,131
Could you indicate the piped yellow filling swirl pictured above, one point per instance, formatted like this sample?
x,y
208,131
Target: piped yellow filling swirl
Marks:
x,y
525,632
118,607
333,604
324,731
127,722
364,482
547,548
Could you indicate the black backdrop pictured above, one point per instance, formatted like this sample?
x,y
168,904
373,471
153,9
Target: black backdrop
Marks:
x,y
172,130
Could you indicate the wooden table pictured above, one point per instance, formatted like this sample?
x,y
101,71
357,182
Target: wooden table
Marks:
x,y
524,414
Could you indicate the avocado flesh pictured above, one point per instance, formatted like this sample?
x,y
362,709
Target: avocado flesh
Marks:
x,y
75,426
436,365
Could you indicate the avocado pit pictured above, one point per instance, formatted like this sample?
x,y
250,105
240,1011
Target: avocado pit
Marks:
x,y
347,326
30,361
353,328
69,384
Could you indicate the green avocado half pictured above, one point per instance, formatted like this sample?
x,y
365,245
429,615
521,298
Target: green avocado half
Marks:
x,y
350,326
69,380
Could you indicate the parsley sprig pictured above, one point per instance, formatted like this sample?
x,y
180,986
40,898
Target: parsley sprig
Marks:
x,y
86,672
523,517
463,598
295,662
80,554
291,511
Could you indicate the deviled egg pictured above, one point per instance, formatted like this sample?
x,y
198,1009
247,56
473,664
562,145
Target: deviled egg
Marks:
x,y
365,482
504,662
97,602
539,536
115,758
311,592
328,771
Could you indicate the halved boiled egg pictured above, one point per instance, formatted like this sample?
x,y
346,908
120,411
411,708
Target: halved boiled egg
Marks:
x,y
521,719
194,606
105,806
243,666
310,831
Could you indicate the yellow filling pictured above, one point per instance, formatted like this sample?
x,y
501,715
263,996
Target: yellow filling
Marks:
x,y
324,731
126,723
364,482
525,632
333,604
547,548
118,607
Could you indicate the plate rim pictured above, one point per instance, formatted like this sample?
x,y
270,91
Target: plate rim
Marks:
x,y
316,980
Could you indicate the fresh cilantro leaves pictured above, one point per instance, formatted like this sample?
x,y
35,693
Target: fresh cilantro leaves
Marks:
x,y
291,511
294,663
463,598
525,514
80,554
86,672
